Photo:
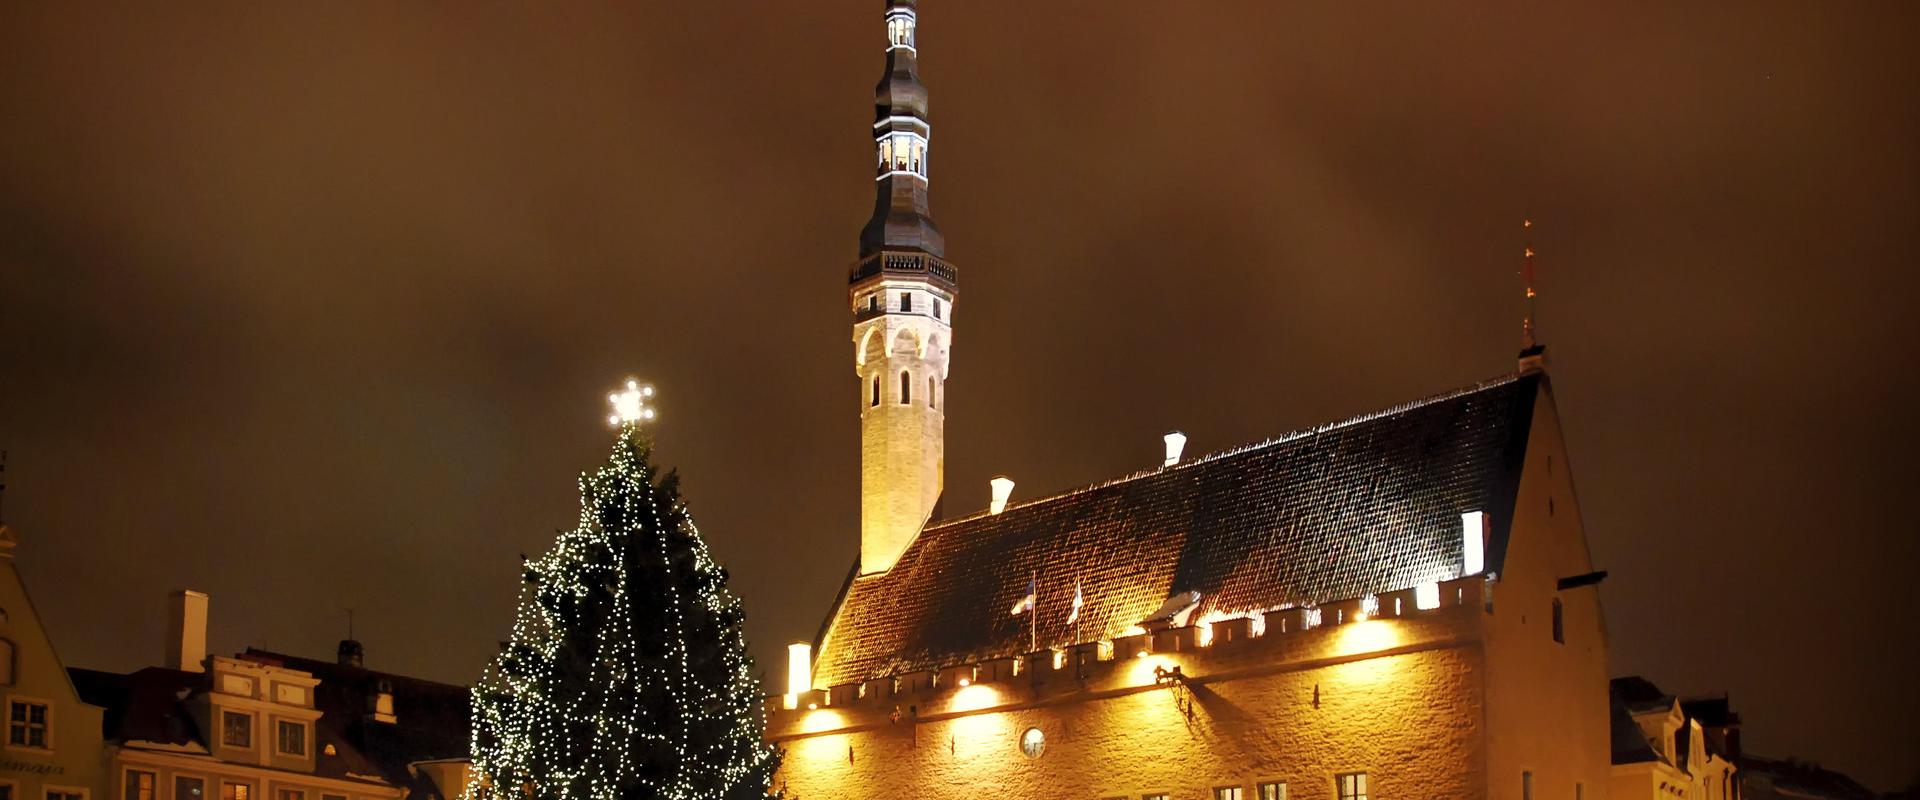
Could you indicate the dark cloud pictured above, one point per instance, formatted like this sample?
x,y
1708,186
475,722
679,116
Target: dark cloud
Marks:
x,y
312,307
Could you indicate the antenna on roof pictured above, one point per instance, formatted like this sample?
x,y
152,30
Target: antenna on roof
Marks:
x,y
349,623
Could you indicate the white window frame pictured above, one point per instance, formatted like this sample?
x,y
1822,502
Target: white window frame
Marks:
x,y
1235,792
1260,788
46,727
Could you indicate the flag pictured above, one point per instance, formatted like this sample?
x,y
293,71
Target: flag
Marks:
x,y
1026,603
1078,601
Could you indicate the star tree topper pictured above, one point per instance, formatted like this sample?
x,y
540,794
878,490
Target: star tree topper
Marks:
x,y
630,406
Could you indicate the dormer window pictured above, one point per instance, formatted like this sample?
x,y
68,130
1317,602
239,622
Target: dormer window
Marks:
x,y
236,729
900,25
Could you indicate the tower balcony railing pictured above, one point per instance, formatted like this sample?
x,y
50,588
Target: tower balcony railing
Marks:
x,y
906,265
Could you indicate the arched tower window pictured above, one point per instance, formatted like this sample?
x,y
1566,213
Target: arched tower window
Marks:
x,y
903,151
900,29
876,392
933,400
906,388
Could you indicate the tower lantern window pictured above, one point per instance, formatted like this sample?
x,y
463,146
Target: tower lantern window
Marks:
x,y
900,30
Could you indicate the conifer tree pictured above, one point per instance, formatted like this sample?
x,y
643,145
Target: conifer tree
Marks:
x,y
627,676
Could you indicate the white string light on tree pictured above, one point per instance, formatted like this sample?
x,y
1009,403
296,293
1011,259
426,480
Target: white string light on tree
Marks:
x,y
627,676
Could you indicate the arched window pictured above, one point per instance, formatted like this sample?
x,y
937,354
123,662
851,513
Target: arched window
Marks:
x,y
876,391
906,388
933,396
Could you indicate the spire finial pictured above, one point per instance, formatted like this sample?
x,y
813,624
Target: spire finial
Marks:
x,y
1527,337
1533,354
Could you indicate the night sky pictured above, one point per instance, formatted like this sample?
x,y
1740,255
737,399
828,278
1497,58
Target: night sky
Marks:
x,y
315,307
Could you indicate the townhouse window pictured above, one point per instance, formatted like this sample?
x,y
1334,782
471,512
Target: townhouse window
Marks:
x,y
65,793
236,791
292,738
1160,796
292,794
1351,785
140,785
333,797
27,724
9,790
1228,793
1273,791
189,788
236,730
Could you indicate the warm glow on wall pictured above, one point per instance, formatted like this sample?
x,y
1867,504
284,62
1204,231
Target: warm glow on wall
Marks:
x,y
1366,637
1426,596
974,697
824,719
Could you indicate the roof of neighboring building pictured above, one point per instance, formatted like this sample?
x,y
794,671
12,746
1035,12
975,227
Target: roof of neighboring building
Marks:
x,y
1630,745
1641,695
1769,778
1368,505
431,719
152,706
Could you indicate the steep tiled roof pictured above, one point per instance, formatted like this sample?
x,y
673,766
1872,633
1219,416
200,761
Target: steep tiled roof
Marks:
x,y
1368,505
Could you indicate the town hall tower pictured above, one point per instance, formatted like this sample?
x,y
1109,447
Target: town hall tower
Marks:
x,y
901,292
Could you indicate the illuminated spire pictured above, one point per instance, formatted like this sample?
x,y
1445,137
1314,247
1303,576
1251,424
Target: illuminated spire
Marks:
x,y
902,217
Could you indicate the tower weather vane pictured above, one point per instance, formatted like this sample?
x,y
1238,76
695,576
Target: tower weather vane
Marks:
x,y
630,406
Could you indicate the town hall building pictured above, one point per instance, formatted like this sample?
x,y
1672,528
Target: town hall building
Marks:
x,y
1396,605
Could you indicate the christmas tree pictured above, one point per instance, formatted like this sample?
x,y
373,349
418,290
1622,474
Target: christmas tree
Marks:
x,y
627,676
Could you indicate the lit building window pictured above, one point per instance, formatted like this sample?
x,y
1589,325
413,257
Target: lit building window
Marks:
x,y
27,724
140,785
1473,543
1351,785
1228,793
292,794
1160,796
1273,791
236,729
236,791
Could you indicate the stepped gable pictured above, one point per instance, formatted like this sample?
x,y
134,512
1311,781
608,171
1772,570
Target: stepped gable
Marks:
x,y
1367,505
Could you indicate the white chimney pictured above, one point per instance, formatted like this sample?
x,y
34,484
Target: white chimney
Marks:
x,y
1176,444
799,672
1002,492
187,630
